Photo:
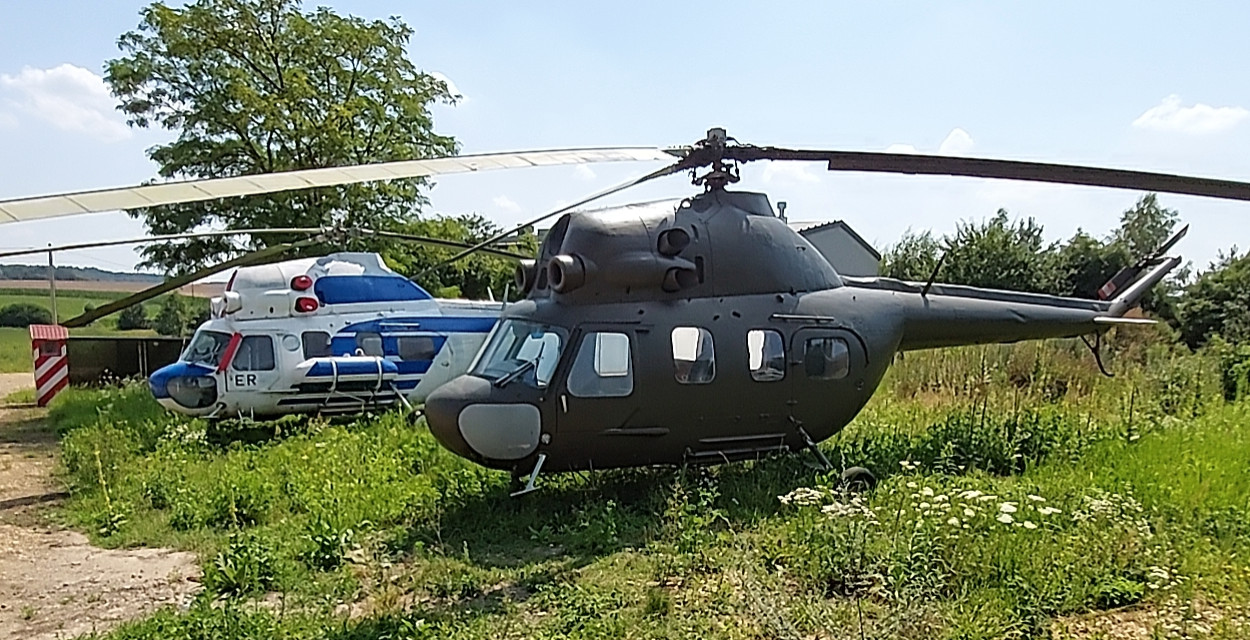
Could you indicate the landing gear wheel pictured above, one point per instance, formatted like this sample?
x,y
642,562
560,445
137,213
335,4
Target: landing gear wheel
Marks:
x,y
858,479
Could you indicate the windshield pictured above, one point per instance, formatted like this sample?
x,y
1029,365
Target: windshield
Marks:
x,y
527,350
207,348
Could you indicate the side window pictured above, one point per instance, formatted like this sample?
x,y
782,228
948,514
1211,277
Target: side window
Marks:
x,y
416,348
255,354
694,359
370,343
316,344
826,358
766,355
603,367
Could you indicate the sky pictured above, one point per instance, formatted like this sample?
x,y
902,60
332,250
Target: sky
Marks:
x,y
1134,85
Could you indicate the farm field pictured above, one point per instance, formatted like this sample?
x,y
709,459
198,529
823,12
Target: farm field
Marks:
x,y
15,342
1021,495
201,290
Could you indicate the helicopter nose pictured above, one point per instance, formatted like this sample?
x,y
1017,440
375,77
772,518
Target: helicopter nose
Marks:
x,y
184,387
463,418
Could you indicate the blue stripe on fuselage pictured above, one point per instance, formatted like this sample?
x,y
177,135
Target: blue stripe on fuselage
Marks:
x,y
366,288
433,324
350,368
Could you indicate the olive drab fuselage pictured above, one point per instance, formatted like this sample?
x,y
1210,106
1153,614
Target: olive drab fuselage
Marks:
x,y
702,331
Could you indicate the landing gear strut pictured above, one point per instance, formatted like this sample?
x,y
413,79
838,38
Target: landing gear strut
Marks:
x,y
529,484
811,446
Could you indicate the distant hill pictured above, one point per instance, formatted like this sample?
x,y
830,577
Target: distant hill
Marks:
x,y
37,272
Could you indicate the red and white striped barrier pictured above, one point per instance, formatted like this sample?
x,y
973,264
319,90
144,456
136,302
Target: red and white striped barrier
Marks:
x,y
51,362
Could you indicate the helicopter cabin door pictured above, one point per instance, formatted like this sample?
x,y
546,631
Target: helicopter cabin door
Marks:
x,y
254,365
599,394
827,366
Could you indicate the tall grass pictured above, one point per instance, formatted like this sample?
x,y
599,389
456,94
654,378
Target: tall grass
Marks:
x,y
1018,484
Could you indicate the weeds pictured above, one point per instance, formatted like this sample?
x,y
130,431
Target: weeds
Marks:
x,y
1017,485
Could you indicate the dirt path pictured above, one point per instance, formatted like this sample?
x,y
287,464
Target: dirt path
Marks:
x,y
53,583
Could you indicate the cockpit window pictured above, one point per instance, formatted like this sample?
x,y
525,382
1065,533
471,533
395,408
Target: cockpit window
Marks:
x,y
207,348
522,350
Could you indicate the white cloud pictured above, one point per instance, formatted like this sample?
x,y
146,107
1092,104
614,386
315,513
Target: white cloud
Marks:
x,y
584,172
7,120
902,148
506,204
70,98
957,143
451,86
1169,115
782,171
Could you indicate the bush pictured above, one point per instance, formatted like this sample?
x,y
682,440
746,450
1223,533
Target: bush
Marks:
x,y
246,566
23,314
133,318
173,316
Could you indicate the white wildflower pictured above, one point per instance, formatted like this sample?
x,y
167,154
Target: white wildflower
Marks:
x,y
970,494
954,522
1029,524
1004,518
926,492
1046,511
968,511
1007,507
1036,498
912,485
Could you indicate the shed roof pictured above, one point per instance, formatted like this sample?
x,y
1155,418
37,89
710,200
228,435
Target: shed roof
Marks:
x,y
48,332
805,231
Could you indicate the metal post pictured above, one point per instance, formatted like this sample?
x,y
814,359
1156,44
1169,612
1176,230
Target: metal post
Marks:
x,y
52,285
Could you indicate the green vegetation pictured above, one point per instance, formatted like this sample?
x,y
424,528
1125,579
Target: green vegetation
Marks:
x,y
14,350
22,315
15,342
1018,486
334,90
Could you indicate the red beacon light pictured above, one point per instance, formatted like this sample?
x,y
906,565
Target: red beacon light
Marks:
x,y
301,283
306,305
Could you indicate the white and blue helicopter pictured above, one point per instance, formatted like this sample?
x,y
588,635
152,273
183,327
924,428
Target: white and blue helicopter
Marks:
x,y
341,333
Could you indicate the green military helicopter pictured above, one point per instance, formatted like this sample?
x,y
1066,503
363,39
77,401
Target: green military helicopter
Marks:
x,y
703,330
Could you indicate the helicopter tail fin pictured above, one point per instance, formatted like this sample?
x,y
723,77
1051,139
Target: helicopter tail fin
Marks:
x,y
1134,292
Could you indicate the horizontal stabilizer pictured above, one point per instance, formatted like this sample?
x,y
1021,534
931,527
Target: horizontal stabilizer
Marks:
x,y
1114,320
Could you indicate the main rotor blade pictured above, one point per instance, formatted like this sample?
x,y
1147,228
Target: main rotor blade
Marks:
x,y
255,257
1002,169
196,190
434,242
659,173
451,244
162,238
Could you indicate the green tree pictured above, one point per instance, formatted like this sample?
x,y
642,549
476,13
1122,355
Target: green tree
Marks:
x,y
173,317
133,317
477,276
1084,264
1145,227
255,86
999,254
1217,303
913,257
